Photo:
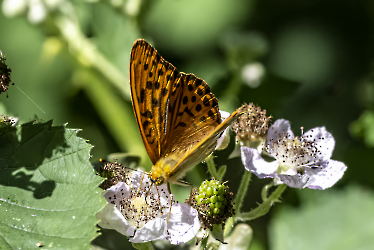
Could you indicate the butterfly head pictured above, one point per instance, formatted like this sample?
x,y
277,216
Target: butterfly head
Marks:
x,y
159,181
160,172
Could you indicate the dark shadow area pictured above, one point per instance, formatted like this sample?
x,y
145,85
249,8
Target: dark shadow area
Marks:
x,y
24,149
112,240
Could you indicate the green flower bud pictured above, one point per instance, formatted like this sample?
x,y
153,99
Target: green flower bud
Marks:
x,y
213,202
216,211
213,199
218,204
209,191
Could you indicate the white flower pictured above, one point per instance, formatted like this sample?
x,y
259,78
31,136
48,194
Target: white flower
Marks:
x,y
252,73
299,161
224,140
37,10
13,7
143,210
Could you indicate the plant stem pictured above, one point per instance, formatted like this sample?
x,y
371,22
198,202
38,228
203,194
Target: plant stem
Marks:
x,y
212,166
238,202
263,208
242,191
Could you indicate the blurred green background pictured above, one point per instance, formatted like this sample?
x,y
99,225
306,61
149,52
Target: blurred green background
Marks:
x,y
309,61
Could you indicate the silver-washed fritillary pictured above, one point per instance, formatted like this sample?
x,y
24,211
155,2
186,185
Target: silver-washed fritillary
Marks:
x,y
177,114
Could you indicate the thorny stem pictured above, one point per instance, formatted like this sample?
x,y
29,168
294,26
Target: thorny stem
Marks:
x,y
238,202
265,189
211,166
263,208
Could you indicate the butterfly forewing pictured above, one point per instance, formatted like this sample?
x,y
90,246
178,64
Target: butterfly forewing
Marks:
x,y
150,93
174,110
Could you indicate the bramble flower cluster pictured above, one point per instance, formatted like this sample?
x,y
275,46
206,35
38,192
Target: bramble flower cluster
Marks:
x,y
138,208
299,162
146,212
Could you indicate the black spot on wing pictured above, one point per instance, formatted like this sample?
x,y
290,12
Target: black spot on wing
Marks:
x,y
164,91
198,82
142,95
147,114
145,125
206,101
181,124
200,92
198,107
149,85
157,85
187,111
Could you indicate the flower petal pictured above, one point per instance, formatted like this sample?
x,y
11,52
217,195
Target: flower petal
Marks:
x,y
111,218
280,126
153,230
137,179
253,162
320,177
324,141
295,181
116,193
183,223
141,179
326,175
224,140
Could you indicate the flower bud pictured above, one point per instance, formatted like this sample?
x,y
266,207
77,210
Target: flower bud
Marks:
x,y
213,201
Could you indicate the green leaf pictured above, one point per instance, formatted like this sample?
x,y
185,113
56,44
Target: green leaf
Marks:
x,y
48,189
217,232
364,127
328,219
143,246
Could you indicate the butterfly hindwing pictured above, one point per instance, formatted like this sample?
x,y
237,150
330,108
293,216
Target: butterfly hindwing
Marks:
x,y
199,150
193,112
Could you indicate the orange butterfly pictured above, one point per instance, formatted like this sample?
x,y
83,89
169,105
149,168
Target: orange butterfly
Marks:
x,y
177,115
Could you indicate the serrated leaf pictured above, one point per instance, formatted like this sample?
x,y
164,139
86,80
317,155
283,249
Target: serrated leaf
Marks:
x,y
330,220
49,193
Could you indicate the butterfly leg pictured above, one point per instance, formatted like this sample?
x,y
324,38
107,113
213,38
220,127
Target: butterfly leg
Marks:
x,y
171,204
140,185
171,201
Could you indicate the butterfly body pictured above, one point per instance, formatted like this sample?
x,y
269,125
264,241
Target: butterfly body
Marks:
x,y
177,114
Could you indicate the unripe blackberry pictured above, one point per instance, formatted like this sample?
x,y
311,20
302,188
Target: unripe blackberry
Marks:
x,y
213,202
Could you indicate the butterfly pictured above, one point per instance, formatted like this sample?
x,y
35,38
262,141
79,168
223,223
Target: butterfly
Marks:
x,y
177,114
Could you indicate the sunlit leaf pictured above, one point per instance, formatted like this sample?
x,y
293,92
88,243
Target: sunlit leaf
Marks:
x,y
48,189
